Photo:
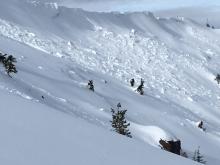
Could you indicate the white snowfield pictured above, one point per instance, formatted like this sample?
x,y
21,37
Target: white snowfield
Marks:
x,y
208,14
59,49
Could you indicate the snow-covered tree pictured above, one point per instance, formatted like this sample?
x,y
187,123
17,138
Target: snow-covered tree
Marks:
x,y
119,122
91,85
198,157
140,88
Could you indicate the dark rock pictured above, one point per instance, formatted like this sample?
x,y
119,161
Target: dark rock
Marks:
x,y
171,146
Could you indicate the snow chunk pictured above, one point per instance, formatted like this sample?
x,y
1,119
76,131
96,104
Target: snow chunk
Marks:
x,y
151,134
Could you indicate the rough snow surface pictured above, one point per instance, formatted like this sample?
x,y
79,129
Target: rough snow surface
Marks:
x,y
48,115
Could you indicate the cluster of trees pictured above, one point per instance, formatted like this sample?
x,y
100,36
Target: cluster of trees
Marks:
x,y
209,26
140,88
8,63
121,126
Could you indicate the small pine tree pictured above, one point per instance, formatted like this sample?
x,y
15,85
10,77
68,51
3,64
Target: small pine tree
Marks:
x,y
198,157
218,78
132,82
140,88
91,85
8,63
119,122
9,66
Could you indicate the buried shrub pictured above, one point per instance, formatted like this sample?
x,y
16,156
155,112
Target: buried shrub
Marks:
x,y
140,88
132,82
207,25
201,125
91,85
218,78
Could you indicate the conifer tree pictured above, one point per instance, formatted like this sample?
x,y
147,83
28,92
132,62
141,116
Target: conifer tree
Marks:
x,y
198,157
9,66
8,63
140,88
132,82
91,85
119,122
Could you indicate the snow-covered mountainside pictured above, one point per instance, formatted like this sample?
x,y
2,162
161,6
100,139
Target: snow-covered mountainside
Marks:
x,y
48,116
202,15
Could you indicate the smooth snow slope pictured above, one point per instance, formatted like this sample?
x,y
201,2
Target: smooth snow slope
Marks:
x,y
60,49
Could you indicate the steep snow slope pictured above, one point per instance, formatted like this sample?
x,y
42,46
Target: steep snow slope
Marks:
x,y
60,49
51,130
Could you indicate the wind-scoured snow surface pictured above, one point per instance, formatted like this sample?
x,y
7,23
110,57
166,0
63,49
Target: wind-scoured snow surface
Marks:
x,y
59,49
203,15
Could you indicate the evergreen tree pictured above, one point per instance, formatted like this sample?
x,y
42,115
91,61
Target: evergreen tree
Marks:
x,y
91,85
140,88
8,63
119,122
198,157
218,78
132,82
9,66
